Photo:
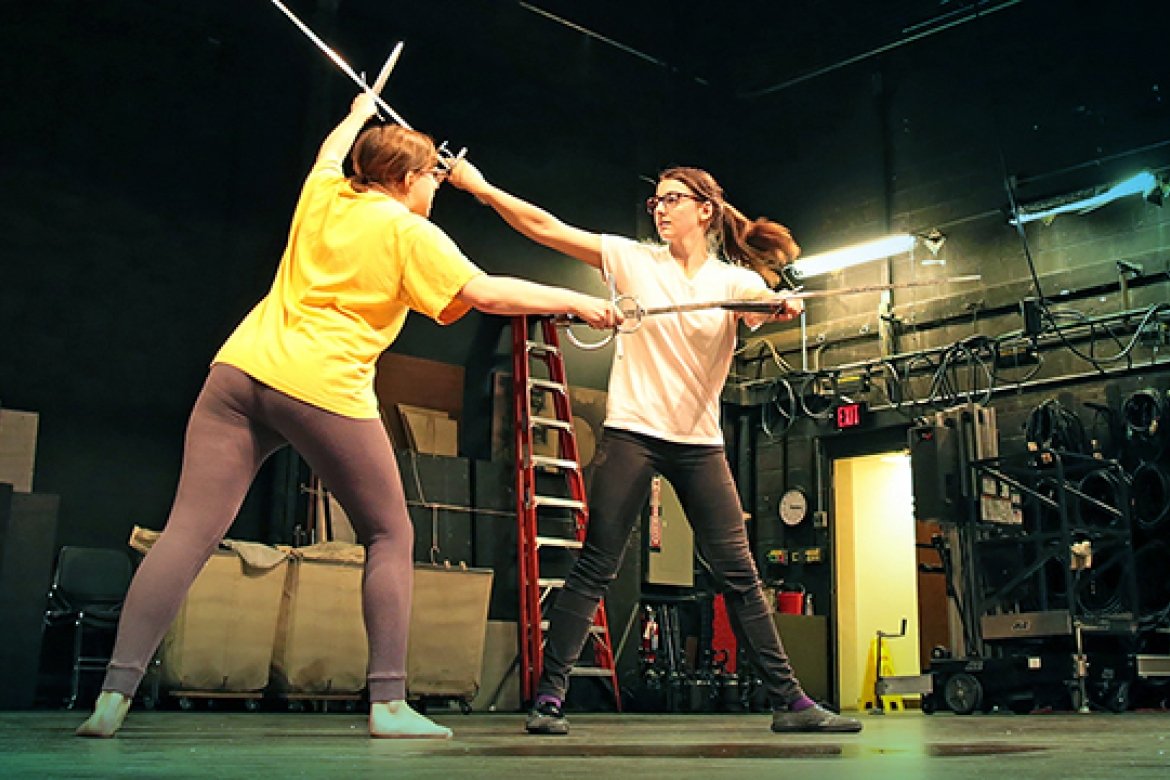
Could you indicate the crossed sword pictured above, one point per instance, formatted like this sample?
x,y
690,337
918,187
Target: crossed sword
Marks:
x,y
632,311
447,158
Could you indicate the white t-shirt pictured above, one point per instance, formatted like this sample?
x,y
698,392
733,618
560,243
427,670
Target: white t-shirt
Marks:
x,y
669,375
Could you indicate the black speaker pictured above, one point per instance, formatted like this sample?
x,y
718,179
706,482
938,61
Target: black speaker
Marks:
x,y
494,533
1032,310
934,474
438,495
28,535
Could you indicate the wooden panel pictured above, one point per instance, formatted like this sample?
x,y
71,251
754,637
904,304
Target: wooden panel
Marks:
x,y
806,641
28,530
18,448
933,626
403,379
430,431
501,685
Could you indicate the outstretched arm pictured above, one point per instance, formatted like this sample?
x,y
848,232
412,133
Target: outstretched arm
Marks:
x,y
528,219
508,296
336,146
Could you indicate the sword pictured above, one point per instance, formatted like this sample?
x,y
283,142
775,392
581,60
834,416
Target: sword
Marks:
x,y
447,158
344,66
771,306
633,312
384,74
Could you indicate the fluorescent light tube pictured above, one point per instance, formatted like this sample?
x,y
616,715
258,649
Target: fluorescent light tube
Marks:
x,y
1086,201
827,262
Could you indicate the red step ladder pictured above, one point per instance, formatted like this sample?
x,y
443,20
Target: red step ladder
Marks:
x,y
538,513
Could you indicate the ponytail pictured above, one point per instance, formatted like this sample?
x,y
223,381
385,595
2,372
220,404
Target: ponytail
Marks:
x,y
759,244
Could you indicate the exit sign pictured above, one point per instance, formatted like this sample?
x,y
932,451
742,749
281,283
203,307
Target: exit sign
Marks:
x,y
847,416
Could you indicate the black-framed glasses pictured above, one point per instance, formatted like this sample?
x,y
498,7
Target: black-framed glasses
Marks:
x,y
670,200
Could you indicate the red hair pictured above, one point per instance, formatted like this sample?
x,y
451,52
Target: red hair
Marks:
x,y
384,154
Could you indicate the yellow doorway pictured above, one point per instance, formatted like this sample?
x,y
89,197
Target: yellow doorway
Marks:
x,y
875,560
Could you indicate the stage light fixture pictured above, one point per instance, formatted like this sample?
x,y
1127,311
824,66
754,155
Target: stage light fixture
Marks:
x,y
1084,201
835,260
1157,194
933,240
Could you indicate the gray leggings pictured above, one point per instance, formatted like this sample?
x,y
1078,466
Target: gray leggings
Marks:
x,y
236,424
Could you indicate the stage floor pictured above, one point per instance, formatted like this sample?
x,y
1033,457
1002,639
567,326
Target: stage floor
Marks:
x,y
158,744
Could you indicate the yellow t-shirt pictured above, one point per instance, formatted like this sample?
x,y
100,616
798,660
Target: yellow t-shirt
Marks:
x,y
355,264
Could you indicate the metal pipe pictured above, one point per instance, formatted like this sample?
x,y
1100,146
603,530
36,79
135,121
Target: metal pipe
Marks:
x,y
1039,383
873,52
803,340
1043,340
610,41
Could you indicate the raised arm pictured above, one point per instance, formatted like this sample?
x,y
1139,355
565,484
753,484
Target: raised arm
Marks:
x,y
336,146
528,219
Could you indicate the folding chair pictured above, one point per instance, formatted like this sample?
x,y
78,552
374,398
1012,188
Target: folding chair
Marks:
x,y
89,585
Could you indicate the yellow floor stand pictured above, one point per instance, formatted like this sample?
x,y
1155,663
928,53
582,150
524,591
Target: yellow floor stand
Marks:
x,y
868,699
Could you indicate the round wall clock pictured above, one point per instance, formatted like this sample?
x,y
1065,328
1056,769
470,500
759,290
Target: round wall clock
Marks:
x,y
793,507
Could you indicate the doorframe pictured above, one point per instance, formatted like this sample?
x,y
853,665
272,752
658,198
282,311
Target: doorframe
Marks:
x,y
826,450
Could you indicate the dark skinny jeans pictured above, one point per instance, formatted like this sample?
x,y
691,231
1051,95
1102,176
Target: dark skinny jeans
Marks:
x,y
623,467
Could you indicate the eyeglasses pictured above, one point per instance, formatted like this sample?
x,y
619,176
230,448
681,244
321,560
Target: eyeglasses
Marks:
x,y
439,174
670,200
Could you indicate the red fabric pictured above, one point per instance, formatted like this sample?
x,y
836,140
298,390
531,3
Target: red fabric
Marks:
x,y
722,637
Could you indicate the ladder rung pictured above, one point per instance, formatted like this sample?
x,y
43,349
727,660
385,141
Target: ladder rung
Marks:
x,y
564,463
540,346
598,630
550,582
547,384
590,671
549,422
556,541
565,503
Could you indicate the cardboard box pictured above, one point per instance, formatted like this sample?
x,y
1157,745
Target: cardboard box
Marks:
x,y
18,448
223,636
430,431
500,690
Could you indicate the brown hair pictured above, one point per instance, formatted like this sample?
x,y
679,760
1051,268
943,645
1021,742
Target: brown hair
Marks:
x,y
760,244
384,154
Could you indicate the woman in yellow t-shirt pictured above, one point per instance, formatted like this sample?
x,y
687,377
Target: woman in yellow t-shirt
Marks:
x,y
299,370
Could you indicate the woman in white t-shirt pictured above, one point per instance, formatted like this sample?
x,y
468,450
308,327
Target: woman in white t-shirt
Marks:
x,y
662,415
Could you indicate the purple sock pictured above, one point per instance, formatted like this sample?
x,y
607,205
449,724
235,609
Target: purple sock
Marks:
x,y
803,703
547,697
